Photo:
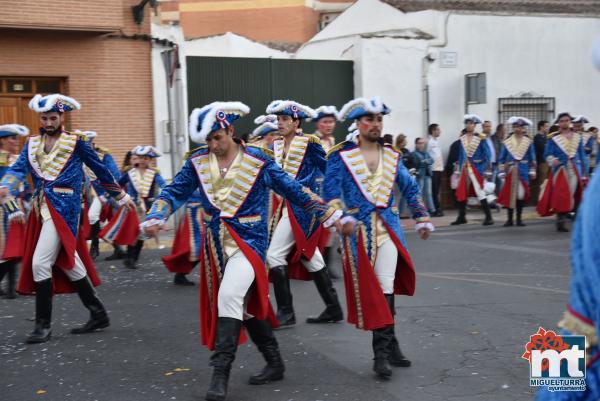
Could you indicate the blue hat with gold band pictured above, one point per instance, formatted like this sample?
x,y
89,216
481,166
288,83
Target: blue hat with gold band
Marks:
x,y
267,124
7,130
520,121
53,103
325,111
474,118
290,108
148,151
214,116
359,107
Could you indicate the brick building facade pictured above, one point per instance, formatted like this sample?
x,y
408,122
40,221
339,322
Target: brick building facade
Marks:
x,y
86,50
292,21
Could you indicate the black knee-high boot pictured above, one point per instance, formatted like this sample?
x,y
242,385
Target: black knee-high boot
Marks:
x,y
382,338
98,316
488,213
133,254
509,221
226,343
283,296
333,310
520,204
95,248
3,272
11,273
462,214
560,223
395,357
43,313
261,334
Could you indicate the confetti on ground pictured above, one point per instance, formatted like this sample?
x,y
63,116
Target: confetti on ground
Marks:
x,y
41,392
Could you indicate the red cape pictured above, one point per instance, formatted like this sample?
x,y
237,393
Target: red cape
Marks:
x,y
179,259
462,192
363,291
15,242
66,257
123,229
258,303
556,197
505,192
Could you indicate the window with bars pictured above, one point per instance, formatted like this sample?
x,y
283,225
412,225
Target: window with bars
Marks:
x,y
535,108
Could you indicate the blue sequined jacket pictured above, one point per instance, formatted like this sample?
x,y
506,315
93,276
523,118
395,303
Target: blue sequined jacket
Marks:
x,y
110,164
523,156
306,163
557,147
61,183
477,152
247,215
345,186
154,187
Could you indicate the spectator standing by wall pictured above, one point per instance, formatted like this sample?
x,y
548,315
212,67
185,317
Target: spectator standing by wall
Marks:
x,y
435,151
423,173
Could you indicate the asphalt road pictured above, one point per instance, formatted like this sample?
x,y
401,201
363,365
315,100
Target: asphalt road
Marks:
x,y
481,292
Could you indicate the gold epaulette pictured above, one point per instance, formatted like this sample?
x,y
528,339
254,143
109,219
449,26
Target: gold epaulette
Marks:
x,y
313,138
335,148
266,151
551,134
481,135
190,152
155,169
78,133
102,149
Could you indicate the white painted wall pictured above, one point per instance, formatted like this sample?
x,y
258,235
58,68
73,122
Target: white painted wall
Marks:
x,y
231,45
548,55
174,34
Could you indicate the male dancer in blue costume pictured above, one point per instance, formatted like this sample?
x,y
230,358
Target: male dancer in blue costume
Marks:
x,y
11,235
471,169
303,158
56,259
235,181
516,165
361,173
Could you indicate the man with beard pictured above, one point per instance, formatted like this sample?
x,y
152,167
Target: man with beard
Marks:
x,y
234,181
561,193
13,234
361,174
56,259
303,158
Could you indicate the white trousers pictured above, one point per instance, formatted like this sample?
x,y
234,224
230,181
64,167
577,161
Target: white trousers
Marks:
x,y
385,266
282,243
237,279
94,211
46,252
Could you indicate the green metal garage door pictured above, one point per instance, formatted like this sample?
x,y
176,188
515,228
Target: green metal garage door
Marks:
x,y
257,82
